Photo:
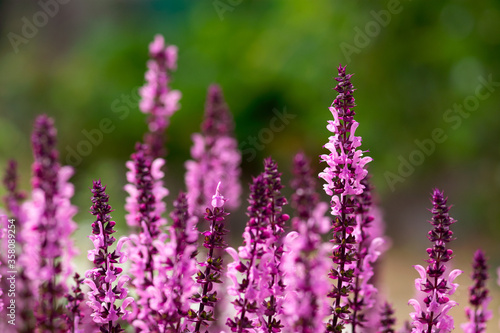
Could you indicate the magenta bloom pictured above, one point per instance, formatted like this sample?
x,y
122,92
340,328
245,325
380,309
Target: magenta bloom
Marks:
x,y
174,285
432,316
215,157
305,261
478,313
214,239
368,250
343,176
47,226
105,280
157,99
259,295
145,207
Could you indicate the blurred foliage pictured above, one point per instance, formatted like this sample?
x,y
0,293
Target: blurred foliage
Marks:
x,y
89,60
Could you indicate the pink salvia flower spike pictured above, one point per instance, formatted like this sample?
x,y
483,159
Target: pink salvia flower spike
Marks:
x,y
305,259
173,285
215,157
106,281
432,316
346,168
74,313
477,312
260,294
157,99
47,226
369,248
387,319
145,207
211,274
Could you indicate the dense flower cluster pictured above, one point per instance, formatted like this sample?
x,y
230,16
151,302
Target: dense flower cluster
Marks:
x,y
216,157
369,248
107,284
344,173
316,275
259,295
305,261
145,206
478,313
174,285
47,220
157,99
213,265
433,315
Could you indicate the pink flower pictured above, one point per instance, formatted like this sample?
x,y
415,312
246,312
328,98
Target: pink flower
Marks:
x,y
433,316
157,99
215,157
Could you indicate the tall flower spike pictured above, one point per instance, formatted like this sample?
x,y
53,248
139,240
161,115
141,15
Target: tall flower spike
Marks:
x,y
387,320
259,296
105,280
157,99
369,248
74,313
343,175
145,207
478,313
215,156
305,260
13,197
432,316
47,226
174,285
305,198
214,239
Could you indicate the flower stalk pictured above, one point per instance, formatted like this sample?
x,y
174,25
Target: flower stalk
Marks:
x,y
343,175
214,239
105,280
433,315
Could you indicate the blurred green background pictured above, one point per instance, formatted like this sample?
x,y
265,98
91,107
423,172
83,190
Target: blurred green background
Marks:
x,y
413,61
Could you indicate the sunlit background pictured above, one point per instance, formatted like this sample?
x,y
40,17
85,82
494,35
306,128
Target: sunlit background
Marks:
x,y
428,93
